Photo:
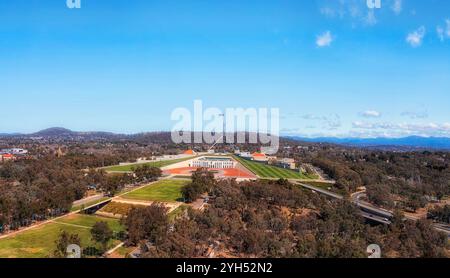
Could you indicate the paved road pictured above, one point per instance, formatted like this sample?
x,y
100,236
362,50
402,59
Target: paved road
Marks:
x,y
370,211
322,191
87,200
388,214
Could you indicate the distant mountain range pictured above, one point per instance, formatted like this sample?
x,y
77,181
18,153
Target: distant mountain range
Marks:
x,y
410,142
63,133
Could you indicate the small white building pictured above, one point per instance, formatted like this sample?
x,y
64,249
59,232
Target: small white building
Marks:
x,y
287,163
245,155
214,162
14,151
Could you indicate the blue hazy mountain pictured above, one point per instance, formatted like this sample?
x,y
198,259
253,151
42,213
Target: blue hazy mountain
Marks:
x,y
412,141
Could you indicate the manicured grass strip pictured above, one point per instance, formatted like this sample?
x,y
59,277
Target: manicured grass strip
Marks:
x,y
90,220
40,242
162,191
159,164
269,171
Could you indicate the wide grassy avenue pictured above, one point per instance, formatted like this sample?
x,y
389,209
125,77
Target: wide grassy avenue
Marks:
x,y
130,167
40,242
161,191
269,171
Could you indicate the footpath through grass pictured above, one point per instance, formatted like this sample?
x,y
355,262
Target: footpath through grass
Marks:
x,y
161,191
40,242
269,171
158,164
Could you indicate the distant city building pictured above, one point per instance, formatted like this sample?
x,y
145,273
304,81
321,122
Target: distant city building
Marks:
x,y
287,163
260,157
6,157
190,152
245,155
14,151
214,162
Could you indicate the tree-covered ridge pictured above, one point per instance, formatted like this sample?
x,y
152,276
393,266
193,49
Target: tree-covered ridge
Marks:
x,y
278,219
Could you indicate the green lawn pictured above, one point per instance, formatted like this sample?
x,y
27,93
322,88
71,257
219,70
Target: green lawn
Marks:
x,y
162,191
40,242
269,171
159,164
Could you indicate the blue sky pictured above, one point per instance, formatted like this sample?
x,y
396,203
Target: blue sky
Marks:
x,y
332,67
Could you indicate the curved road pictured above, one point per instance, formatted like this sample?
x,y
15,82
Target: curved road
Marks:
x,y
368,210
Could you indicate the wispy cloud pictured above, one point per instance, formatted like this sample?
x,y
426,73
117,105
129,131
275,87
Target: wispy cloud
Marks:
x,y
415,114
415,38
397,6
329,122
356,11
443,32
328,12
424,129
370,114
313,117
324,39
370,19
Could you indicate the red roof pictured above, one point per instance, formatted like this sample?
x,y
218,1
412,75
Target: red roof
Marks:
x,y
7,155
258,154
189,152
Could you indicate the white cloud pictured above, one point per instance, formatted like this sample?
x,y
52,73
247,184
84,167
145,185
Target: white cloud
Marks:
x,y
313,117
328,12
333,122
443,33
447,30
352,10
424,129
324,39
415,114
415,38
370,19
397,6
371,114
357,12
329,122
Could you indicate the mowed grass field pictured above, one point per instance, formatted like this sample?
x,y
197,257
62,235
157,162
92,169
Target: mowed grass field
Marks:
x,y
40,242
161,191
269,171
158,164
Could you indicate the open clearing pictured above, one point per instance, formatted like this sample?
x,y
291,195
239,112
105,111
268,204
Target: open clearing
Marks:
x,y
161,191
130,167
269,171
40,242
117,208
